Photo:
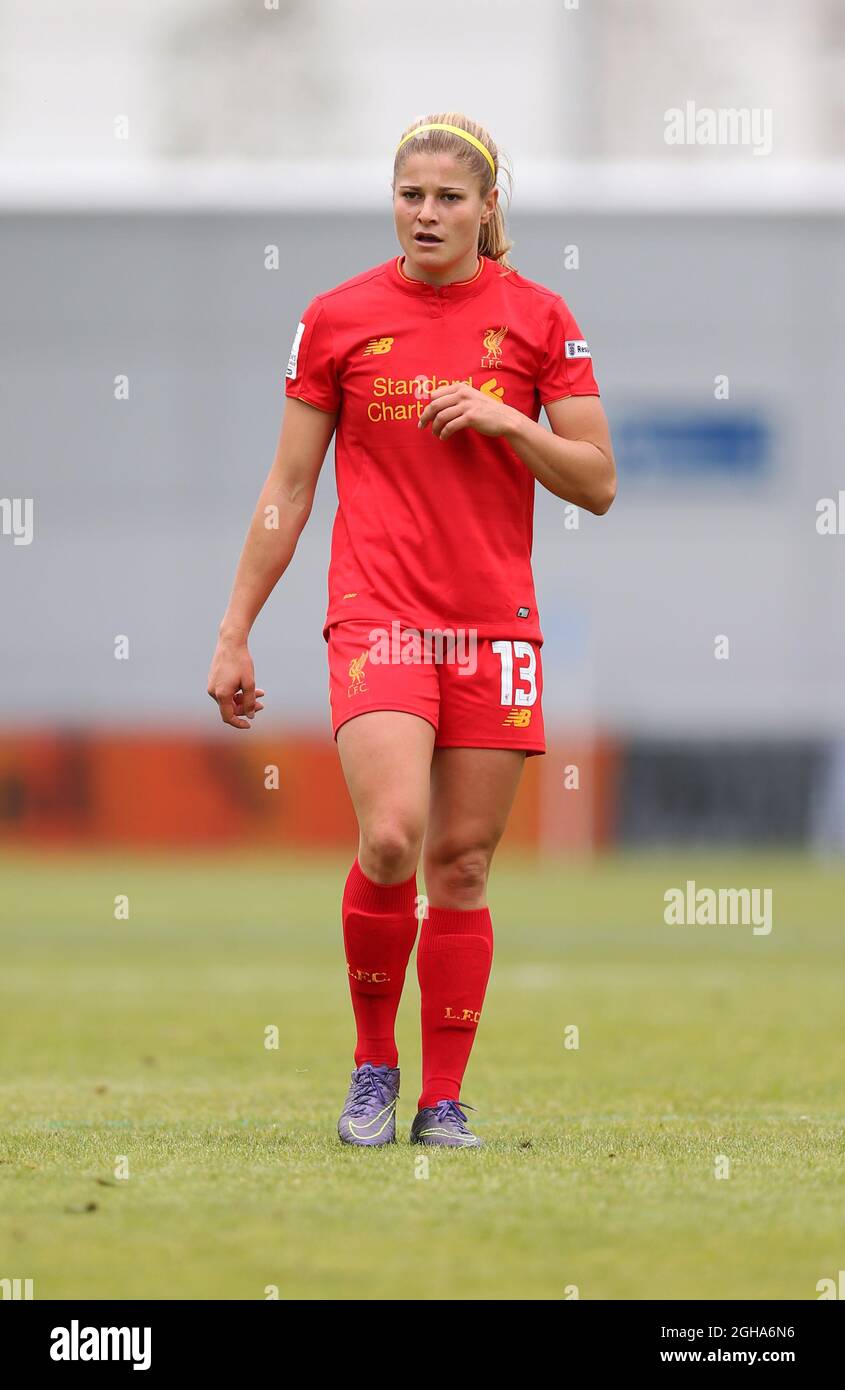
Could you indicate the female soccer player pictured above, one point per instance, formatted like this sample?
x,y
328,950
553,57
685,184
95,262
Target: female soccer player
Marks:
x,y
432,367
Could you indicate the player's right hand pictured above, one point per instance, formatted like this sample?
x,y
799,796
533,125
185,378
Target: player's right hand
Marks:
x,y
231,683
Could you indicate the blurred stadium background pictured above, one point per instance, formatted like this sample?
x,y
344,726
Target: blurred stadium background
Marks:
x,y
151,158
177,179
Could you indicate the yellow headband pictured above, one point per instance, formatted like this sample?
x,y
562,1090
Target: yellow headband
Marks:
x,y
456,130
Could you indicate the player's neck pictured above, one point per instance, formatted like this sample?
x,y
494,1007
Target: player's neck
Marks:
x,y
463,270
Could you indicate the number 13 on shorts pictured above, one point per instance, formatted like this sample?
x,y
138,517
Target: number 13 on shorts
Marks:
x,y
519,656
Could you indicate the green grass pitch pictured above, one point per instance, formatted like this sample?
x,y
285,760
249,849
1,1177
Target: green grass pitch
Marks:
x,y
144,1039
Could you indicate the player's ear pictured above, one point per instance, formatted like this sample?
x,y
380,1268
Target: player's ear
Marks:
x,y
490,204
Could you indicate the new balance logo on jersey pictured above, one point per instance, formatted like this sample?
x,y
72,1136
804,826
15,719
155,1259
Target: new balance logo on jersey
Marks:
x,y
576,347
493,338
378,345
518,718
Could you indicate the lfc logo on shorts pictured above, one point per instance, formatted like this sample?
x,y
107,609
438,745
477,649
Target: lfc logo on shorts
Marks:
x,y
517,718
356,675
493,338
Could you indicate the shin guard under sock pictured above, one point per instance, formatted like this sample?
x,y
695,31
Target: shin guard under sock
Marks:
x,y
454,957
379,931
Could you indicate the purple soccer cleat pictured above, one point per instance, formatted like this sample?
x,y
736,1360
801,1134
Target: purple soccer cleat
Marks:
x,y
444,1124
368,1117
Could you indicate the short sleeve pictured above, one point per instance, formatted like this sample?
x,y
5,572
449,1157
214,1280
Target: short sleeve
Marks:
x,y
567,366
311,373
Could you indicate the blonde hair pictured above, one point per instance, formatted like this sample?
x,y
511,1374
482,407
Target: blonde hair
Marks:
x,y
492,235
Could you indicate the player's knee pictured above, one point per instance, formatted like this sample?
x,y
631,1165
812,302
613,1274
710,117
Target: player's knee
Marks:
x,y
461,871
391,851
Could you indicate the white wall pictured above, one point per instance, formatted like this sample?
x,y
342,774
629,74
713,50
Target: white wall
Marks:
x,y
329,79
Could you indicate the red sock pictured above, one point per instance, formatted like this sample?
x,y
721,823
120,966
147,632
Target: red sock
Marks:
x,y
379,931
453,965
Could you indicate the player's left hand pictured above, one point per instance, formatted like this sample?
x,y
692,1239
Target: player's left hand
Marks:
x,y
460,407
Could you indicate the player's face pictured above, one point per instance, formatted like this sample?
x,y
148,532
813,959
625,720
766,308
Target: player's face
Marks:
x,y
437,207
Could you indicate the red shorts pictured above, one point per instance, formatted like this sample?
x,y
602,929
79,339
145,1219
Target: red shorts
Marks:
x,y
478,694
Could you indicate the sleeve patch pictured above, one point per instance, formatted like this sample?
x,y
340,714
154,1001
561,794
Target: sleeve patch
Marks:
x,y
576,347
294,352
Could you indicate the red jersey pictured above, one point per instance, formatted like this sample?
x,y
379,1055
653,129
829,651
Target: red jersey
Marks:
x,y
434,533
